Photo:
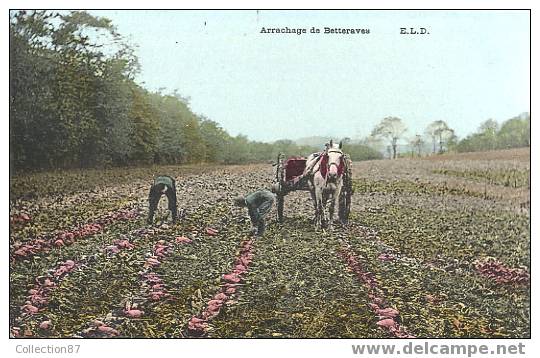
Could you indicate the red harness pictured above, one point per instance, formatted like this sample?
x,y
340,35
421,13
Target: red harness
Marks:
x,y
324,167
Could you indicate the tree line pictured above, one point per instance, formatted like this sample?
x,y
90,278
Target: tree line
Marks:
x,y
440,138
512,133
74,103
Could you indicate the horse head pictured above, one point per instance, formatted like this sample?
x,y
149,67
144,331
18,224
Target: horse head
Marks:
x,y
333,162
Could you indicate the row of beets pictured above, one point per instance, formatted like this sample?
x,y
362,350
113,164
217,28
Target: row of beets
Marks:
x,y
68,237
155,287
386,316
488,267
198,324
22,218
38,297
494,269
39,294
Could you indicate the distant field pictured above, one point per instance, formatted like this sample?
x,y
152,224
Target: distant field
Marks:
x,y
436,247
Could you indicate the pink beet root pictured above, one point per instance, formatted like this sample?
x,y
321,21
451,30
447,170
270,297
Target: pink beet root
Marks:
x,y
220,296
38,300
156,296
45,325
182,240
134,313
69,263
60,271
195,320
154,279
197,325
112,249
494,269
153,262
108,330
240,268
209,314
59,243
160,251
210,231
215,303
232,278
30,309
386,257
387,323
124,244
387,312
213,307
97,323
21,252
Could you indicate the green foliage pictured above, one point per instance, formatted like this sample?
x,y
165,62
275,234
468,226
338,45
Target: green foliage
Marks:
x,y
68,101
74,104
215,139
513,133
145,128
359,152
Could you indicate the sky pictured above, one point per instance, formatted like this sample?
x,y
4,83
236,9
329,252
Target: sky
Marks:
x,y
472,66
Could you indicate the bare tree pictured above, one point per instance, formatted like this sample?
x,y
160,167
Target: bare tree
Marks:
x,y
440,132
391,128
416,143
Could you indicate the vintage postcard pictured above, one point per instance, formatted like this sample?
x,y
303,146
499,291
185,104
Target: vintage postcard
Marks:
x,y
271,174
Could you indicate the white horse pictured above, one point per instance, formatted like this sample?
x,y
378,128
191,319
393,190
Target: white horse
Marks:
x,y
325,171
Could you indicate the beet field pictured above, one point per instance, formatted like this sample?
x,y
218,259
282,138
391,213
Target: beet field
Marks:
x,y
435,247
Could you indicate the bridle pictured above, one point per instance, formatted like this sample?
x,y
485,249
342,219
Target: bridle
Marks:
x,y
328,166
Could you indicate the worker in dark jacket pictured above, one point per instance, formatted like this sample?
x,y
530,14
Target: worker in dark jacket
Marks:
x,y
258,204
163,184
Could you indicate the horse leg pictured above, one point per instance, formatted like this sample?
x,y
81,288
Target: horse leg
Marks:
x,y
336,197
314,191
331,212
314,199
324,201
319,213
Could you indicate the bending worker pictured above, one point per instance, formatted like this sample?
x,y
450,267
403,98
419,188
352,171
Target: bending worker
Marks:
x,y
258,204
163,184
